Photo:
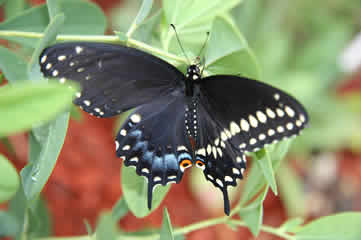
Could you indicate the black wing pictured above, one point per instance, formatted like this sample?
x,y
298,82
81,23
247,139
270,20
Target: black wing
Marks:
x,y
113,78
240,115
153,140
251,114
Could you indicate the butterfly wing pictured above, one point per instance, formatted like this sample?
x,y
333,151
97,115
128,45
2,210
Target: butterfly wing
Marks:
x,y
153,140
113,78
251,113
240,115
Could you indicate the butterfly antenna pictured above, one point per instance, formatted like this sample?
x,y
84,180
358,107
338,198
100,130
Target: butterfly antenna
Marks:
x,y
200,52
179,42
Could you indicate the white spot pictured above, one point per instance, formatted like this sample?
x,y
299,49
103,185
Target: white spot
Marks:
x,y
123,132
48,66
220,152
228,133
234,128
195,77
270,113
116,145
209,149
87,102
87,77
78,49
182,148
136,118
253,121
210,177
43,59
216,142
126,148
228,179
145,170
223,145
289,126
61,58
276,96
101,113
261,116
62,80
238,159
244,125
100,64
122,157
219,182
78,94
134,159
289,111
280,112
71,64
214,150
223,136
97,109
262,137
201,151
298,123
195,121
271,132
242,145
156,179
242,170
79,70
236,171
302,118
172,177
280,129
252,141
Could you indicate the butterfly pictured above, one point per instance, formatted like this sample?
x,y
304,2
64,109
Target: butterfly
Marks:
x,y
178,120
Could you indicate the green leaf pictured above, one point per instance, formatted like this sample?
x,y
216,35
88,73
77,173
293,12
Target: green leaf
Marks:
x,y
54,8
255,179
120,209
145,30
43,159
252,214
9,180
292,192
142,14
263,159
2,1
82,17
166,232
49,36
40,221
88,227
22,106
9,226
1,77
14,7
135,189
292,224
191,18
106,228
228,53
345,226
12,66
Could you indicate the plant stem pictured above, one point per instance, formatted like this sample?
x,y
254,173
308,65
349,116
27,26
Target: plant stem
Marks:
x,y
98,38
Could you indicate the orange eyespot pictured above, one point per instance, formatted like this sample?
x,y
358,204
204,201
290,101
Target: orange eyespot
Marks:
x,y
186,163
199,163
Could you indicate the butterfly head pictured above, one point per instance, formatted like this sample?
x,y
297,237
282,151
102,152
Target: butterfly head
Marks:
x,y
193,72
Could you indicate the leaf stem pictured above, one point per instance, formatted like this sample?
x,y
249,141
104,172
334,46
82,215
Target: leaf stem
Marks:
x,y
99,38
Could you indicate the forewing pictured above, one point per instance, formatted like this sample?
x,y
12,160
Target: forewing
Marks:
x,y
250,113
153,140
113,78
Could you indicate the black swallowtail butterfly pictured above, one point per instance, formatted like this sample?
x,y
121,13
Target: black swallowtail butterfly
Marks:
x,y
179,121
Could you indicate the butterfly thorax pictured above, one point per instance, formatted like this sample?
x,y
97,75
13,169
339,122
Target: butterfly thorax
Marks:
x,y
192,77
